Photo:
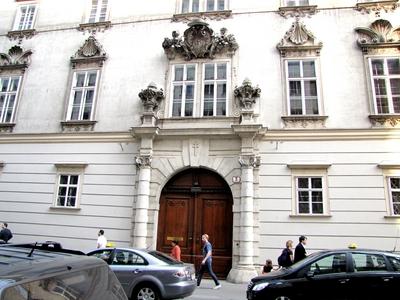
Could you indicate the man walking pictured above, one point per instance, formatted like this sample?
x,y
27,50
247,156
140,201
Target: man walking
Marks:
x,y
101,240
300,251
5,233
206,262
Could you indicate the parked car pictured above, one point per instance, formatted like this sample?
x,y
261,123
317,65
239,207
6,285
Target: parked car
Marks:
x,y
149,275
348,274
28,272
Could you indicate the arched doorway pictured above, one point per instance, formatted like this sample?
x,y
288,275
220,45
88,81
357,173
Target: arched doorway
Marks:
x,y
194,202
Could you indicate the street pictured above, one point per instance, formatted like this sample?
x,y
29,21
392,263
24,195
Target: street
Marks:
x,y
228,291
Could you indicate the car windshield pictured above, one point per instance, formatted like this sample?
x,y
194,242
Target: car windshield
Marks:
x,y
165,258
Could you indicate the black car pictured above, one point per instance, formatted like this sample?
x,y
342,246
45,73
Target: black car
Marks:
x,y
348,274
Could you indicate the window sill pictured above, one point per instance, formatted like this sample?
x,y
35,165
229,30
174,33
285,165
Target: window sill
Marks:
x,y
377,6
392,217
95,26
21,34
310,216
76,126
210,15
6,127
65,208
385,120
304,121
298,11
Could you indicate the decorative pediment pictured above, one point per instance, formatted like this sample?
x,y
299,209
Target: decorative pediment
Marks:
x,y
298,11
299,41
199,41
377,6
90,52
380,35
15,59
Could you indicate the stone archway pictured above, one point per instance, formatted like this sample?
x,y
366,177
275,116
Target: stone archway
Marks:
x,y
193,202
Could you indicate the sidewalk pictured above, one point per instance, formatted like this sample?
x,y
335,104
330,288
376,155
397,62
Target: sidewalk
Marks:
x,y
228,291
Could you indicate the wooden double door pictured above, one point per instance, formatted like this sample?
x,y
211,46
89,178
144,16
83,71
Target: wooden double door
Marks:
x,y
194,202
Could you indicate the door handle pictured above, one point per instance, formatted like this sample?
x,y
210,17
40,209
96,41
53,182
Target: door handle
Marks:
x,y
386,279
137,271
190,238
344,280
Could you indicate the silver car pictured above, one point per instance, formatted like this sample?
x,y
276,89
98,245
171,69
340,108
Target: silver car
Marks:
x,y
149,275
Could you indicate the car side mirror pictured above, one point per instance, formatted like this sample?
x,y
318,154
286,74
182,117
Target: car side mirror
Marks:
x,y
310,274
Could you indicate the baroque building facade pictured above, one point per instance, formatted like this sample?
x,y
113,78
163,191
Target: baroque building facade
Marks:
x,y
253,121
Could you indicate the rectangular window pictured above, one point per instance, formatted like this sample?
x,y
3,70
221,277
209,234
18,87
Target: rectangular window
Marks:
x,y
8,97
184,81
214,83
194,6
394,193
385,76
199,90
67,190
25,18
296,3
98,12
302,87
309,191
83,94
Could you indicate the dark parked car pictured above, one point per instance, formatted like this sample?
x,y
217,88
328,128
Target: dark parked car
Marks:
x,y
348,274
28,272
149,275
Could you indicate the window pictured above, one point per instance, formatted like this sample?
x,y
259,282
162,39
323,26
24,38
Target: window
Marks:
x,y
25,17
302,87
98,11
368,262
205,81
67,190
127,258
194,6
296,3
83,94
385,80
309,195
334,263
394,194
8,97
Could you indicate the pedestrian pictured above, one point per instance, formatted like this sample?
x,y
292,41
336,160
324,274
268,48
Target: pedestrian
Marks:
x,y
267,267
5,233
101,240
206,263
286,258
300,251
176,250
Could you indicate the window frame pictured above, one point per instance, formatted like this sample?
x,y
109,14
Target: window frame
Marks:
x,y
199,83
310,190
390,194
98,14
184,84
7,96
387,78
19,16
202,6
297,3
302,79
74,88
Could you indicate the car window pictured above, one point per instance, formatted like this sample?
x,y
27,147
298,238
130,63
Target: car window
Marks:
x,y
165,258
124,257
364,262
395,262
103,254
334,263
71,286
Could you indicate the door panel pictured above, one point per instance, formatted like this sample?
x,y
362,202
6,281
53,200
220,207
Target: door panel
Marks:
x,y
194,202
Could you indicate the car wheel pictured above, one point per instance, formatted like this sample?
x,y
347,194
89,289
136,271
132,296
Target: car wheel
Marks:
x,y
282,298
146,292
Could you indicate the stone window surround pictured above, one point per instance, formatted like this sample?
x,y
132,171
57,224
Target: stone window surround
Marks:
x,y
69,168
389,169
199,82
309,169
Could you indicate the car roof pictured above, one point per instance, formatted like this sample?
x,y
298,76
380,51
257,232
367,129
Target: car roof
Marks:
x,y
376,251
23,263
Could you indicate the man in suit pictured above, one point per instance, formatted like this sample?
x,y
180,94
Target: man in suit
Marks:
x,y
300,251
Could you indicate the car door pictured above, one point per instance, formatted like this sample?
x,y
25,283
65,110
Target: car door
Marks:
x,y
324,278
372,278
127,266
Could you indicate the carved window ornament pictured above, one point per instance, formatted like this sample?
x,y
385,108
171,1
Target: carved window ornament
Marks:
x,y
15,60
298,11
199,41
90,53
367,7
299,41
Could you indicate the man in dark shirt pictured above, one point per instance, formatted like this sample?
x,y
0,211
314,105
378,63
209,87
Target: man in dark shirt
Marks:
x,y
5,233
300,252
